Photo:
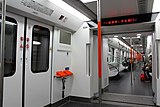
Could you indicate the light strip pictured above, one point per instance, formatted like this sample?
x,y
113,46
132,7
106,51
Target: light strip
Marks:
x,y
36,43
7,22
87,1
156,6
70,9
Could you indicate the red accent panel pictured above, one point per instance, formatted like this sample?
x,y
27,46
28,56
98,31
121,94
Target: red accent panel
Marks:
x,y
99,51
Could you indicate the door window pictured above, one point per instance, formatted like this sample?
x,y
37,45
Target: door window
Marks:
x,y
10,46
40,49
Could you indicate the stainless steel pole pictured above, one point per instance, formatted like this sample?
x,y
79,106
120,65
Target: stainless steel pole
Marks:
x,y
131,61
2,43
99,50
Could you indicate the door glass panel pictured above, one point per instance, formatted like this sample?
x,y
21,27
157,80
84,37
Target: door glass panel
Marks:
x,y
40,49
10,46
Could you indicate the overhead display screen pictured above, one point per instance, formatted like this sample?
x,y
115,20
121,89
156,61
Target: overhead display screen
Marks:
x,y
127,19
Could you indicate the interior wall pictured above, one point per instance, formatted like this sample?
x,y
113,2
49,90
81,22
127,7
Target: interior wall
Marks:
x,y
105,72
105,67
81,81
157,57
94,79
154,64
61,59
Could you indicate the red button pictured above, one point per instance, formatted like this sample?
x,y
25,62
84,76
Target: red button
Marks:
x,y
27,46
27,39
21,46
21,38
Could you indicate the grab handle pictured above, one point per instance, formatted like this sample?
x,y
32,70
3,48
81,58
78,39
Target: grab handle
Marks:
x,y
157,51
88,58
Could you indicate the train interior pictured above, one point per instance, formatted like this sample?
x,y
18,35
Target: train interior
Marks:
x,y
51,54
124,81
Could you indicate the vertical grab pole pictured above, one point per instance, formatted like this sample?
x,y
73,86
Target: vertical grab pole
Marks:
x,y
2,43
99,50
131,60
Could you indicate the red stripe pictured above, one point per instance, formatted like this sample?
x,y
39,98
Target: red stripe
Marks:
x,y
99,51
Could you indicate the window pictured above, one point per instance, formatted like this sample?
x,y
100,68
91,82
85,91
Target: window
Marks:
x,y
40,49
65,37
10,46
112,54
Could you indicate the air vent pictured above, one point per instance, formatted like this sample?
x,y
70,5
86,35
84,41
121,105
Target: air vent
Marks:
x,y
37,7
63,18
142,6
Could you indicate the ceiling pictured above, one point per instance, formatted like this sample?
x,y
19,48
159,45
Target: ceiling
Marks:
x,y
115,8
112,8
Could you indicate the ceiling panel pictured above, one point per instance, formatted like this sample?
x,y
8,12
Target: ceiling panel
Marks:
x,y
114,8
129,28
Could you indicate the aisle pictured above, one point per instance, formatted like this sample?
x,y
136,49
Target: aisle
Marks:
x,y
122,84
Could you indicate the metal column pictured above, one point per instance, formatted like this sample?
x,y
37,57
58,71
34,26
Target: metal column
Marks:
x,y
131,61
2,43
99,50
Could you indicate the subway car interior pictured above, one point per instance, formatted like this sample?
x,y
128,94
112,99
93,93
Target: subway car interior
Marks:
x,y
79,53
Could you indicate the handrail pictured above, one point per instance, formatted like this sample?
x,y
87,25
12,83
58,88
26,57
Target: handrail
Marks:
x,y
114,67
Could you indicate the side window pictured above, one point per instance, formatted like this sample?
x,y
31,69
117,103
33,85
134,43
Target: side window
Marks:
x,y
113,55
65,37
10,46
40,49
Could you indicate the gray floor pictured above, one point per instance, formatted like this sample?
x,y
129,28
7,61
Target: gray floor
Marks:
x,y
122,83
129,99
80,104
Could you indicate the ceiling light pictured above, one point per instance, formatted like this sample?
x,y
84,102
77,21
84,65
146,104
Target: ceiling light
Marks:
x,y
124,37
140,45
36,43
139,34
138,37
8,23
156,6
70,9
87,1
116,36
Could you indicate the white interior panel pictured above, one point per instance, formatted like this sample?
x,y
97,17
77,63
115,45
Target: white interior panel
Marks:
x,y
81,81
71,22
37,85
12,93
105,72
94,78
157,82
62,59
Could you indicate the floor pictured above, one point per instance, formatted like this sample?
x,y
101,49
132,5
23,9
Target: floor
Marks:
x,y
122,83
80,104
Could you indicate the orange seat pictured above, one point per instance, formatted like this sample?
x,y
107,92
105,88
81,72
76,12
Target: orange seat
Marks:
x,y
60,74
142,77
68,72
